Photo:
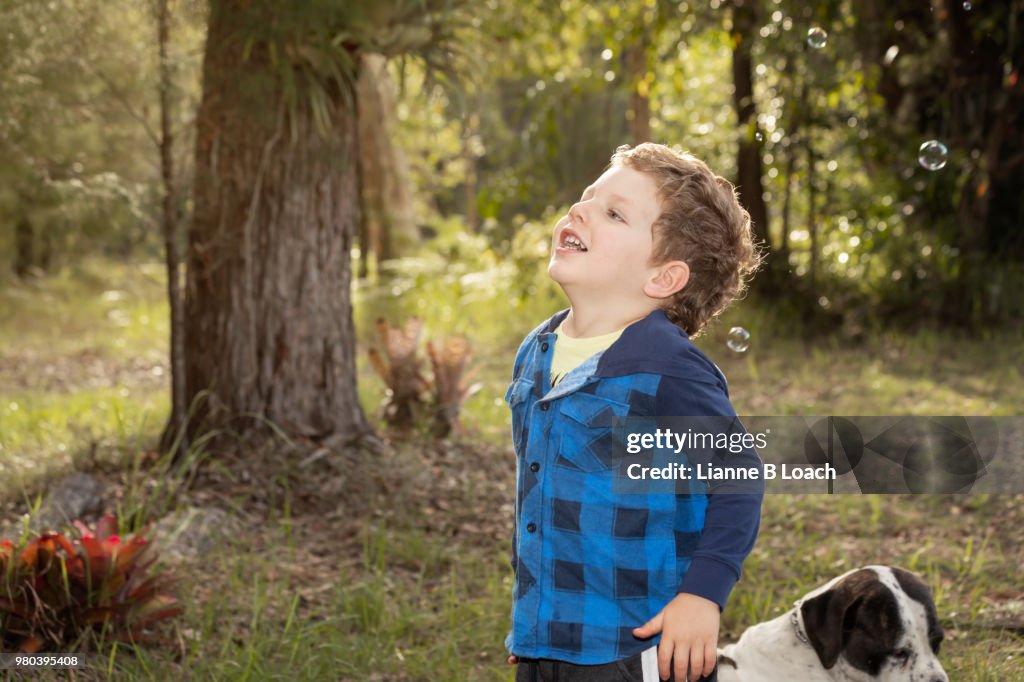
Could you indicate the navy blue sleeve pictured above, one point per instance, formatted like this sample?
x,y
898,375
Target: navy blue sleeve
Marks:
x,y
733,514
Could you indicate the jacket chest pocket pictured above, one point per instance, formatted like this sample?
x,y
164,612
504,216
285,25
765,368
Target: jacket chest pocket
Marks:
x,y
517,396
588,431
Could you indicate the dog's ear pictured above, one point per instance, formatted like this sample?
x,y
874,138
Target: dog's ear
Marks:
x,y
828,620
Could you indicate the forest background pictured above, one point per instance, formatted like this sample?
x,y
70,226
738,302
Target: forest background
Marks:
x,y
250,186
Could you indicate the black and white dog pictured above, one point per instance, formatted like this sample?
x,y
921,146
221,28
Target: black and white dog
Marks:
x,y
872,624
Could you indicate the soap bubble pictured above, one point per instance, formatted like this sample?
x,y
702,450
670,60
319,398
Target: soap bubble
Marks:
x,y
932,155
967,7
817,37
739,339
759,136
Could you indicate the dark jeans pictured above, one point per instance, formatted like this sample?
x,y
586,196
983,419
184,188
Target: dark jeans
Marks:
x,y
627,670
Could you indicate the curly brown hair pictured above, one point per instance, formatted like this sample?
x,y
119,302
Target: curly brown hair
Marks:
x,y
702,223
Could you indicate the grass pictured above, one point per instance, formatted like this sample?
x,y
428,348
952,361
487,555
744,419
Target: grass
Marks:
x,y
87,373
416,585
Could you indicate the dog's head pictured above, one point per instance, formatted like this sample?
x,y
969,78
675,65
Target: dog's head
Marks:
x,y
877,624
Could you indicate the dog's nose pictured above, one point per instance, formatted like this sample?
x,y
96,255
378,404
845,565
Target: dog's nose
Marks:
x,y
938,678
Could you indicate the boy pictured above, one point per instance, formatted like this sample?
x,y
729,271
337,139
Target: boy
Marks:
x,y
611,586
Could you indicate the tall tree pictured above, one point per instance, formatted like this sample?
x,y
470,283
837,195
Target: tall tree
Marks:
x,y
986,96
386,215
269,330
172,238
949,71
748,164
635,62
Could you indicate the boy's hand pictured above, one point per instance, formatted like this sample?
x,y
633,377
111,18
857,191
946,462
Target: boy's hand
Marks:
x,y
689,627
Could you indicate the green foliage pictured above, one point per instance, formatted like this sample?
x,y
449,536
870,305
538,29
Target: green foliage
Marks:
x,y
513,107
77,121
548,103
56,593
459,284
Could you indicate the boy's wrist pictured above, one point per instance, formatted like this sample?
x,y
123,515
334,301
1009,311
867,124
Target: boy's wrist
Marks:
x,y
689,596
709,579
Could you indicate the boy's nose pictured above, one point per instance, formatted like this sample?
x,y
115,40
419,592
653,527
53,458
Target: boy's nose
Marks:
x,y
577,211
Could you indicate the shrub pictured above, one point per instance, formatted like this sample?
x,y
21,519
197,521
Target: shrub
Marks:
x,y
56,593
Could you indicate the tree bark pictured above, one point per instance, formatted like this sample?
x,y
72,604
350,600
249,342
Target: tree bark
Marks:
x,y
269,330
984,115
635,59
387,218
469,160
179,407
748,163
23,240
812,218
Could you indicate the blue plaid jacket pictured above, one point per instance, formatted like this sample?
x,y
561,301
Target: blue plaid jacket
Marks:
x,y
590,562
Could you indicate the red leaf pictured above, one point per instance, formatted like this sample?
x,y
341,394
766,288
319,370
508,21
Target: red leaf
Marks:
x,y
130,551
162,614
31,645
97,557
98,614
106,527
65,544
29,554
145,590
19,610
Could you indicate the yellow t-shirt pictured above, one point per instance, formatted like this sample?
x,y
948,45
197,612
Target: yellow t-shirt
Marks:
x,y
570,352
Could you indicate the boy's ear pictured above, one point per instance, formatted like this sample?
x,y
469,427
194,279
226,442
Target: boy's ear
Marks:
x,y
668,279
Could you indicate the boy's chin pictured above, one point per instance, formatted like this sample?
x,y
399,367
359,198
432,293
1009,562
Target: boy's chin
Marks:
x,y
562,279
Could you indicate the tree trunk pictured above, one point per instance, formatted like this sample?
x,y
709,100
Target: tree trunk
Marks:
x,y
748,163
23,239
385,190
179,408
469,160
44,255
812,218
635,59
984,114
269,330
363,238
787,200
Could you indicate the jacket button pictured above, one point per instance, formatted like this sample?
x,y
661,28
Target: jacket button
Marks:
x,y
544,407
544,347
535,467
531,527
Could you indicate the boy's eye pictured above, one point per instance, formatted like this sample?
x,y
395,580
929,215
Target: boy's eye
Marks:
x,y
614,215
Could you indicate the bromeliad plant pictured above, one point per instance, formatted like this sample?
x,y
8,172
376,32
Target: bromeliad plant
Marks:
x,y
400,366
55,593
411,394
449,361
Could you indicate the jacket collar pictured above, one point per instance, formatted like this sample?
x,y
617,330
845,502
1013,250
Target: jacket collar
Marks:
x,y
653,345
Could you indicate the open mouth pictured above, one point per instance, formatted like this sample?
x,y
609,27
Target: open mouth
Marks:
x,y
571,242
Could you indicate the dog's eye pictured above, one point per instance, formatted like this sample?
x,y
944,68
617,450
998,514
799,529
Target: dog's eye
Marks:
x,y
901,656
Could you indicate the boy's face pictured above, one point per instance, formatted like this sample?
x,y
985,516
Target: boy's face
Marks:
x,y
602,247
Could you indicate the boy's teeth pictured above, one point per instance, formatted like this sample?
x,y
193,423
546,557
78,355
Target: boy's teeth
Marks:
x,y
574,243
